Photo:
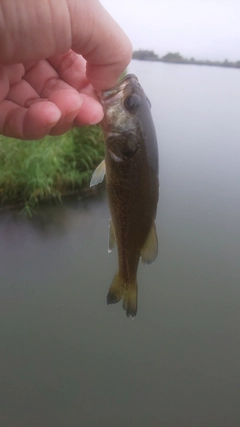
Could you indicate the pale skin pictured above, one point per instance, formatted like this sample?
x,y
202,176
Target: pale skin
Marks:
x,y
54,55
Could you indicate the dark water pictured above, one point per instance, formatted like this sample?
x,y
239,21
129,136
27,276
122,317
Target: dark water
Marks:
x,y
68,359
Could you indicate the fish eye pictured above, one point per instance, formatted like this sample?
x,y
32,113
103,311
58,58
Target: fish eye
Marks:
x,y
131,102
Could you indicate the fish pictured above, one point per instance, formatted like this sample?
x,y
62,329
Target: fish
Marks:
x,y
132,184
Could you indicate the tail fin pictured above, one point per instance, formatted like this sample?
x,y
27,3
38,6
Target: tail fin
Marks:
x,y
118,290
115,292
130,300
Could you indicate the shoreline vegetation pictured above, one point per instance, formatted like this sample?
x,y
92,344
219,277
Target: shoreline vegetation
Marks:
x,y
176,58
46,170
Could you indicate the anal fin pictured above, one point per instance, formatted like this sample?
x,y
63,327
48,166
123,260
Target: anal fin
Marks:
x,y
149,250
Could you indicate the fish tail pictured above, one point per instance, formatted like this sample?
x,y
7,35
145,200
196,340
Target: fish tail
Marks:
x,y
128,291
130,300
116,289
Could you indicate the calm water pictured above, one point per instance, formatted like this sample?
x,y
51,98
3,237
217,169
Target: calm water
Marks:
x,y
68,359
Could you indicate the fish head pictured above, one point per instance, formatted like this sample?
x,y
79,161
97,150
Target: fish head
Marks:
x,y
122,105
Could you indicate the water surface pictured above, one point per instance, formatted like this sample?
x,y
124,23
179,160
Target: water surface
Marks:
x,y
68,359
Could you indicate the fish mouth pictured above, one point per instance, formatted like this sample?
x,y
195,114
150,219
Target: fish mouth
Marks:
x,y
117,90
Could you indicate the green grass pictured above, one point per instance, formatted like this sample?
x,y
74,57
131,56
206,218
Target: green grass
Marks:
x,y
35,171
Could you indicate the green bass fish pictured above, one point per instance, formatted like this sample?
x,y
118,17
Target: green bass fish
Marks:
x,y
131,168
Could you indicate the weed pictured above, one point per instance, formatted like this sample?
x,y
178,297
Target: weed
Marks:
x,y
33,171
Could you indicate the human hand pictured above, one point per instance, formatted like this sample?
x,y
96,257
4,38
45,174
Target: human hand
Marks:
x,y
53,55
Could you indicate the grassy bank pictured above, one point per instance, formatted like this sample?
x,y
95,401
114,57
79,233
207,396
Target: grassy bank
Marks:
x,y
35,171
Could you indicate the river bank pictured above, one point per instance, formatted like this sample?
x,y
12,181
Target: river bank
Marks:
x,y
176,58
32,172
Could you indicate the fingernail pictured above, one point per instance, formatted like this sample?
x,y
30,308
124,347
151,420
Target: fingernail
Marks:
x,y
54,114
74,110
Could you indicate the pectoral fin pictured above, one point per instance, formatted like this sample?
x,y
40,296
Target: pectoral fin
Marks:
x,y
111,238
98,174
149,250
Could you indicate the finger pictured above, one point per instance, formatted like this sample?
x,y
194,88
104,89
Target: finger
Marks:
x,y
71,67
15,73
86,112
42,77
32,30
84,26
22,94
32,123
69,103
9,75
45,81
90,113
4,83
101,41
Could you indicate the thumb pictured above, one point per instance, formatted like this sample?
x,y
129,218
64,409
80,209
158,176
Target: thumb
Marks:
x,y
101,41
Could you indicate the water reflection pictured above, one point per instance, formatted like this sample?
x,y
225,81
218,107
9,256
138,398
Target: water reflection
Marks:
x,y
50,219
